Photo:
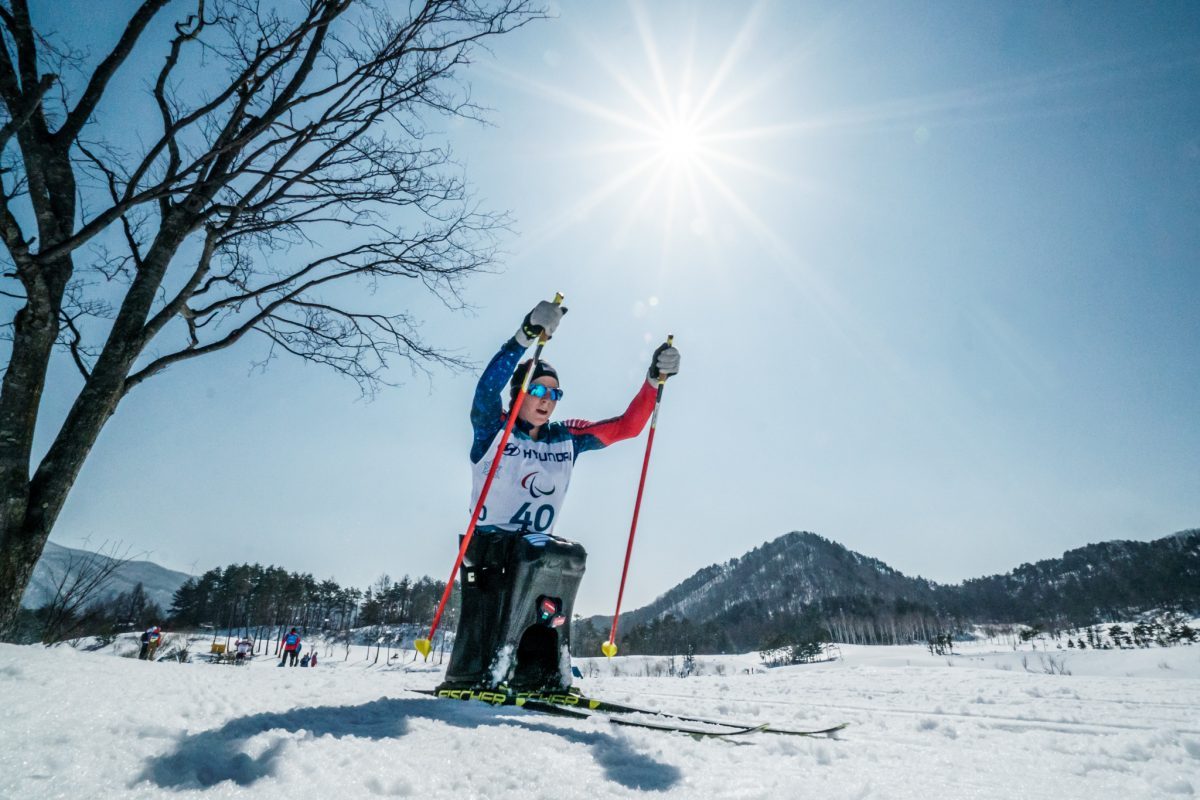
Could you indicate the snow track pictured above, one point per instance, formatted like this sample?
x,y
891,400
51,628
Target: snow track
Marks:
x,y
844,710
76,724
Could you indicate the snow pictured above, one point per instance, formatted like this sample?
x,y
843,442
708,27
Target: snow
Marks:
x,y
989,722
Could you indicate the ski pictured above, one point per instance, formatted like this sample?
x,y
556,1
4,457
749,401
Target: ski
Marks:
x,y
574,713
610,707
572,701
531,701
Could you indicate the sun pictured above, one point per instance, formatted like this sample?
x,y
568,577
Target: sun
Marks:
x,y
678,133
679,143
678,160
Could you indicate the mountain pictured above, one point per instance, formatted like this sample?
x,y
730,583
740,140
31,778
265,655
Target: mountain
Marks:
x,y
788,574
803,585
1105,580
159,583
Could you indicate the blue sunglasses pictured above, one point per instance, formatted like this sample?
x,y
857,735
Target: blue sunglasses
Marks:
x,y
541,390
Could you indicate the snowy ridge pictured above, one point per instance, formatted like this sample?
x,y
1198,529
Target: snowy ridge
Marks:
x,y
159,582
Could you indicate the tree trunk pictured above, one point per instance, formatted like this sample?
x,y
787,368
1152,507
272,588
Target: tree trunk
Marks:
x,y
24,522
22,536
30,509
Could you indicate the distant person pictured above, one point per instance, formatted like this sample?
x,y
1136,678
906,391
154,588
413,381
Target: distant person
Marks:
x,y
291,648
243,650
150,640
313,663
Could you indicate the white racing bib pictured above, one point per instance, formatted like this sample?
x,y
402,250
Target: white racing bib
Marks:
x,y
530,483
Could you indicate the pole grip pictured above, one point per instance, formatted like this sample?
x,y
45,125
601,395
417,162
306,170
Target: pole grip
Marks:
x,y
558,298
662,380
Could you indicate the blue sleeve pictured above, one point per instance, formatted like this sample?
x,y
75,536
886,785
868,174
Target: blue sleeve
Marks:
x,y
487,410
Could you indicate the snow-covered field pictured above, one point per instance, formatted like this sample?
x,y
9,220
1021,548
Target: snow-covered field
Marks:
x,y
987,723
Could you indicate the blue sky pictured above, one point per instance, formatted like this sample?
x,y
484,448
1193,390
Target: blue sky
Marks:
x,y
934,270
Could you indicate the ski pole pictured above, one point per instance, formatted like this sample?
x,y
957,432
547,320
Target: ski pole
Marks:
x,y
425,645
609,648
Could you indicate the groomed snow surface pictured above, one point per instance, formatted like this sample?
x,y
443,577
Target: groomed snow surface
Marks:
x,y
989,722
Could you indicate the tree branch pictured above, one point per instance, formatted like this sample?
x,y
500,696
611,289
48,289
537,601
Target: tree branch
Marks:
x,y
184,34
22,33
178,304
110,177
74,345
322,339
31,103
104,72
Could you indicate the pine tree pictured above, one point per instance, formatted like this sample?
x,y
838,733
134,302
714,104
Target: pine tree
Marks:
x,y
135,606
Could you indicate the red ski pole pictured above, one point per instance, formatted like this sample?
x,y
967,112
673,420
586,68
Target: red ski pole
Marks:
x,y
609,648
424,646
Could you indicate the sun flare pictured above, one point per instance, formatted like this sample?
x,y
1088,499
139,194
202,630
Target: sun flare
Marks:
x,y
679,143
676,136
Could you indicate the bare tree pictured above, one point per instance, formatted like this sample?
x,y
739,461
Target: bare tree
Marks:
x,y
84,578
271,130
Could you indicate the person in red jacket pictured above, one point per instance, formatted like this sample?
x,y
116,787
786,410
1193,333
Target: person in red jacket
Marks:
x,y
291,648
150,641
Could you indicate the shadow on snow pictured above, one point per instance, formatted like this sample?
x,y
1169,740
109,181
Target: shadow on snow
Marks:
x,y
205,759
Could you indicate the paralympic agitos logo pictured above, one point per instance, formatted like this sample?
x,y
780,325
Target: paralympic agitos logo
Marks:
x,y
530,482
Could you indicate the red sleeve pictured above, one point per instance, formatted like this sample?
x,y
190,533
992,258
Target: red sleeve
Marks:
x,y
595,435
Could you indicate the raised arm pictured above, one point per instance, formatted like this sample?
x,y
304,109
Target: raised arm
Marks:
x,y
597,435
487,409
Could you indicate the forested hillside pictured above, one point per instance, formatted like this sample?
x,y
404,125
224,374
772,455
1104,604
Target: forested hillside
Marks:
x,y
802,587
256,598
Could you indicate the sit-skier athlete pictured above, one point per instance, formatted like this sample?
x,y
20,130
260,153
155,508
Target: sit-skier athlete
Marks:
x,y
518,580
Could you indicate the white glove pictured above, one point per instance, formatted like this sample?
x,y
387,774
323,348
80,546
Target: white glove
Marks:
x,y
664,364
544,318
